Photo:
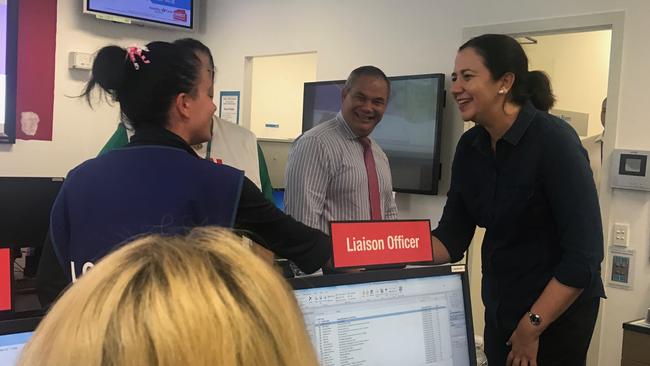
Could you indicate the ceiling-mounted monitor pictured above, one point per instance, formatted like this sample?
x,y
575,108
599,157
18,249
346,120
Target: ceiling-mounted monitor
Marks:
x,y
409,132
178,14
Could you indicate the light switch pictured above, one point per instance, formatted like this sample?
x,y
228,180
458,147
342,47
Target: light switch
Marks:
x,y
621,234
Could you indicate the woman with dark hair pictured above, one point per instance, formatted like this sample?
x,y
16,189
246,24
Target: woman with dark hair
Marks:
x,y
157,183
231,144
522,174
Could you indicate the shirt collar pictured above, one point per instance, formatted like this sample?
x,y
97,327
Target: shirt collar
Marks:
x,y
514,133
482,141
344,128
152,135
519,127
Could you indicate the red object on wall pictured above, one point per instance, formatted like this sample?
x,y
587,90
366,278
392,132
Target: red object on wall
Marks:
x,y
376,243
35,68
5,279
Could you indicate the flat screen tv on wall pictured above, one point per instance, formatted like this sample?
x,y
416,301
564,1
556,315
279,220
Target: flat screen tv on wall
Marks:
x,y
8,58
409,132
161,13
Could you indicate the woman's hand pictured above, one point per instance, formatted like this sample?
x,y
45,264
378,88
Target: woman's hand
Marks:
x,y
525,344
556,298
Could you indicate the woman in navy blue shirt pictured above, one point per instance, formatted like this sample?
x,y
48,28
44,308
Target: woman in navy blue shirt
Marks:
x,y
522,174
157,183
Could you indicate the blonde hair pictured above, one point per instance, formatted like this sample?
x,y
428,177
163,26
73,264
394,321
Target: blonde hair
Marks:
x,y
200,299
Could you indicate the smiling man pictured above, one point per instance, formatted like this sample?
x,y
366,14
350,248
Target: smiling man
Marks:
x,y
335,170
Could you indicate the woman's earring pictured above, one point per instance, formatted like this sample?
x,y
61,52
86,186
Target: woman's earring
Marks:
x,y
501,91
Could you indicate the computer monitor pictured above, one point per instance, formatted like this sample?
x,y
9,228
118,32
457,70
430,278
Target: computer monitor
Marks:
x,y
25,205
8,69
278,198
415,316
14,334
409,132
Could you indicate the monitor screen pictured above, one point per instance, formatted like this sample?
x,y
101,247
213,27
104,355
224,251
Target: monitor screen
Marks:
x,y
11,345
3,61
419,316
175,13
409,132
278,198
14,334
25,209
8,58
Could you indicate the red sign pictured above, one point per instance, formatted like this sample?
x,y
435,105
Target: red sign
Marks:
x,y
5,279
373,243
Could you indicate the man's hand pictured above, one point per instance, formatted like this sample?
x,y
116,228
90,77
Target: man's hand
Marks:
x,y
525,344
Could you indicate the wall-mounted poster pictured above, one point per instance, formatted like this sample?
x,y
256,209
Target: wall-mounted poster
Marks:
x,y
35,69
229,106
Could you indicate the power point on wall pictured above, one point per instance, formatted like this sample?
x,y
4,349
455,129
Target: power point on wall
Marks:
x,y
621,271
80,61
621,234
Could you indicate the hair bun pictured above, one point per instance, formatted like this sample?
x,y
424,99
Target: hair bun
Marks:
x,y
540,90
108,68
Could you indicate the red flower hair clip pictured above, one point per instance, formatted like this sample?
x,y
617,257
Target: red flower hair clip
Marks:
x,y
134,53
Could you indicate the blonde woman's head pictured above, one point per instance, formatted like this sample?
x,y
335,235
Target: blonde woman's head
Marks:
x,y
201,299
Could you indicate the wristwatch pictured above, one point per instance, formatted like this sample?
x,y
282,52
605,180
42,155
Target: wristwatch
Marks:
x,y
535,319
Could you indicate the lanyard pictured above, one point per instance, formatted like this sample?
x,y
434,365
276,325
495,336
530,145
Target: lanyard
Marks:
x,y
209,147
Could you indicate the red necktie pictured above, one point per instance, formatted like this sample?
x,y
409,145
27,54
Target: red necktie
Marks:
x,y
373,182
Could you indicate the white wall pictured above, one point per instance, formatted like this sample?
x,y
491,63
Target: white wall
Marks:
x,y
277,92
580,84
406,37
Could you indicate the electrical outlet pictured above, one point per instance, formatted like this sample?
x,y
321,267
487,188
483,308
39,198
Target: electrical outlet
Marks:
x,y
621,234
80,61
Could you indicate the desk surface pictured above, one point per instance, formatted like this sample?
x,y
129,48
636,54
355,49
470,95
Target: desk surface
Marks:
x,y
639,325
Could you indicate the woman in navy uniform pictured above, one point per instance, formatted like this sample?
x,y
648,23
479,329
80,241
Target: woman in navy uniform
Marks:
x,y
157,183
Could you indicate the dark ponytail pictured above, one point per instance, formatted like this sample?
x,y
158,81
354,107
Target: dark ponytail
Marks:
x,y
540,91
109,69
502,54
146,86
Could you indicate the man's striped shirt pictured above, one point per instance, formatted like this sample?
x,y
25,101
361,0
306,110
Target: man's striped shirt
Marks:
x,y
326,177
